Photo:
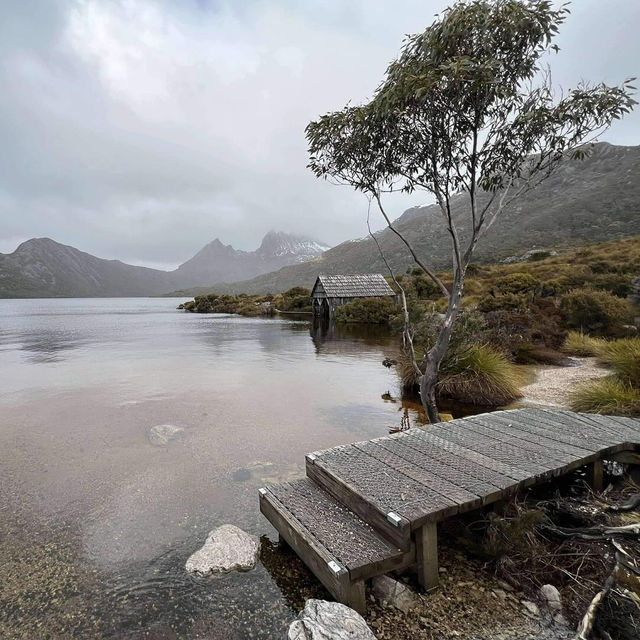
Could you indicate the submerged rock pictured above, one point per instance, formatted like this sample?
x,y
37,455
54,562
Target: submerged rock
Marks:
x,y
227,549
395,593
322,620
162,434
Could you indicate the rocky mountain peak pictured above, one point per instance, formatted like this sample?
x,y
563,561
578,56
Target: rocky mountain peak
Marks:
x,y
277,244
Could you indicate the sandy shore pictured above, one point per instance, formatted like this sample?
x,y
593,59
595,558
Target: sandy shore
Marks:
x,y
553,385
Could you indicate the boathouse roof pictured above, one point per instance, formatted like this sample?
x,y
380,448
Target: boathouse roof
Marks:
x,y
366,285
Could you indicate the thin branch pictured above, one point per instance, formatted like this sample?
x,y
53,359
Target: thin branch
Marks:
x,y
424,267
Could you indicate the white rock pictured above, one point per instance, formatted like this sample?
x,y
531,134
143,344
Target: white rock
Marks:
x,y
227,549
395,593
162,434
531,607
552,596
322,620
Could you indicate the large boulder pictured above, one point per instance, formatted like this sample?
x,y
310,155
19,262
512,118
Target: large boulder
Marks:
x,y
227,549
322,620
390,591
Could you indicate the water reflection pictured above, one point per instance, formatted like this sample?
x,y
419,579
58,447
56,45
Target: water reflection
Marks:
x,y
49,345
351,339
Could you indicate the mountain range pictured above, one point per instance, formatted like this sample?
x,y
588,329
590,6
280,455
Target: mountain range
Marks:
x,y
41,267
588,200
584,201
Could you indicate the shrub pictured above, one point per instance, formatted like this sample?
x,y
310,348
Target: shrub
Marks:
x,y
608,395
517,283
366,311
581,344
539,325
505,302
593,311
623,356
617,283
480,375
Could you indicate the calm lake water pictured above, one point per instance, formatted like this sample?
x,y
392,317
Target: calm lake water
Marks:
x,y
96,522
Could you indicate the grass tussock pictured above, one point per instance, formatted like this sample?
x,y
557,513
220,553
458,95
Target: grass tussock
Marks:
x,y
579,343
609,396
623,356
470,374
479,375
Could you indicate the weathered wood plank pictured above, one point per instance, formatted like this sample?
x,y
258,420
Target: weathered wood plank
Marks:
x,y
311,553
499,474
350,540
574,447
398,532
575,433
503,452
422,474
445,465
389,488
537,448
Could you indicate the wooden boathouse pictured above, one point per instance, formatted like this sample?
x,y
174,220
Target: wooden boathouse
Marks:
x,y
330,292
368,508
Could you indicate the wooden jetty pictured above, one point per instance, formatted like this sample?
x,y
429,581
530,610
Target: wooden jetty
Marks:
x,y
371,507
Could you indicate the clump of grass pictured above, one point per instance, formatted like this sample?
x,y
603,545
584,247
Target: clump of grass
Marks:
x,y
609,395
480,375
579,343
623,356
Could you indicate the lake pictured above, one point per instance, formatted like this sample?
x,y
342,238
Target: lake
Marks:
x,y
96,522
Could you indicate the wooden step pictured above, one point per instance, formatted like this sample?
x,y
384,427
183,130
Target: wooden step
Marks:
x,y
339,547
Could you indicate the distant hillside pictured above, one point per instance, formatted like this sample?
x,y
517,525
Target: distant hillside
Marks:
x,y
595,199
41,267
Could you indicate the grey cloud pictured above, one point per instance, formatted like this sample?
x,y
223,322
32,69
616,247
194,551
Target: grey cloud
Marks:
x,y
142,129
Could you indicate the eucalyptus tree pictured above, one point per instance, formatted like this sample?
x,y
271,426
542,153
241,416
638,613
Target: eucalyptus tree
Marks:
x,y
467,108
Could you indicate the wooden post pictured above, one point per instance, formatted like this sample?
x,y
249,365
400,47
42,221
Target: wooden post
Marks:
x,y
355,596
594,475
427,555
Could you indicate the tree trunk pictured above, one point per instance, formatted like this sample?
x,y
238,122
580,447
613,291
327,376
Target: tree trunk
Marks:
x,y
436,354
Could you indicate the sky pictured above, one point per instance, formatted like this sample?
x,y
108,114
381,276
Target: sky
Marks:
x,y
143,129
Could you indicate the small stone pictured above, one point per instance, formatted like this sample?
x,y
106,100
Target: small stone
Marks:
x,y
161,434
398,595
227,548
322,620
499,593
442,570
505,586
552,597
531,607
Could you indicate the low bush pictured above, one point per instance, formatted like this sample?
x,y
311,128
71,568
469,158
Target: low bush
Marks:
x,y
296,299
504,302
608,395
367,311
593,310
579,343
517,283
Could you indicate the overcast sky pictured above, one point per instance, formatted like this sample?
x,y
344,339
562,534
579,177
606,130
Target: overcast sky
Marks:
x,y
142,129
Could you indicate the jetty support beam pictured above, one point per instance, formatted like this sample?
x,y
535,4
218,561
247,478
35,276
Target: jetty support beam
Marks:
x,y
594,475
427,555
